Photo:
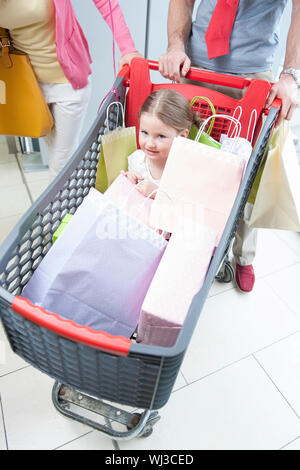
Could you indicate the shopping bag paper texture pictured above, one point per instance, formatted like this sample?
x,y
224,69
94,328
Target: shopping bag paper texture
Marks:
x,y
277,203
199,177
125,194
256,182
116,146
179,277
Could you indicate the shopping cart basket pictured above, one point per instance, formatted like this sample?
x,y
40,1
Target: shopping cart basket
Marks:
x,y
92,369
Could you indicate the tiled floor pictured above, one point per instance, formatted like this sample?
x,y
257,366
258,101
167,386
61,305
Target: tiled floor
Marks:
x,y
239,385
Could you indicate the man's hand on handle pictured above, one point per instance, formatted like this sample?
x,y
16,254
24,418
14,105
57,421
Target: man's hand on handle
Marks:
x,y
287,91
174,64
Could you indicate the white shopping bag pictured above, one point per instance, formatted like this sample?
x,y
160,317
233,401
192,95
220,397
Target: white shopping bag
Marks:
x,y
277,203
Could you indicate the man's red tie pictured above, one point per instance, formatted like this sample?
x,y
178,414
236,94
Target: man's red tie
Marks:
x,y
220,26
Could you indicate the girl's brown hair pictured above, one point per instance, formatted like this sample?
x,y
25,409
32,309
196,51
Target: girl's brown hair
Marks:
x,y
172,108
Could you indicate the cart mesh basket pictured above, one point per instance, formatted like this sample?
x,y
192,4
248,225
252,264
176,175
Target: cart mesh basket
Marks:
x,y
104,366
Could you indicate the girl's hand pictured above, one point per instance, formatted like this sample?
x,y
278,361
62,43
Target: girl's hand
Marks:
x,y
133,177
147,188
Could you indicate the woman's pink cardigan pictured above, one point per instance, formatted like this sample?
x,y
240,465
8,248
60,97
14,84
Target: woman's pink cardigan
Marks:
x,y
71,45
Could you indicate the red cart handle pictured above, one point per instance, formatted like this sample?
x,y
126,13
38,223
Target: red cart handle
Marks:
x,y
211,77
217,79
199,75
82,334
205,76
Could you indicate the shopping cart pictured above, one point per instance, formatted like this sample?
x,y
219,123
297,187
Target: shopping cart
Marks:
x,y
93,370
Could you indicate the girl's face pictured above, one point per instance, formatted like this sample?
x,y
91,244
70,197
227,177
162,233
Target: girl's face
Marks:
x,y
155,137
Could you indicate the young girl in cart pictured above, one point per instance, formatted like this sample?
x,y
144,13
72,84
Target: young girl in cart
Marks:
x,y
165,114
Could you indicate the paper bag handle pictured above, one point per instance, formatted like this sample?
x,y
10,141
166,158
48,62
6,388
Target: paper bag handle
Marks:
x,y
213,110
240,110
123,206
253,113
148,197
119,104
164,232
224,116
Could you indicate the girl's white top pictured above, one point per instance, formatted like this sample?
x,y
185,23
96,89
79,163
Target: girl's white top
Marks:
x,y
137,163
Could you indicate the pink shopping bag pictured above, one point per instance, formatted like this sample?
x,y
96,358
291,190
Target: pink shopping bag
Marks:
x,y
178,278
200,180
125,195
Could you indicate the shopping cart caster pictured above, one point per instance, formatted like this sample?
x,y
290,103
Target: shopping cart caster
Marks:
x,y
225,273
148,429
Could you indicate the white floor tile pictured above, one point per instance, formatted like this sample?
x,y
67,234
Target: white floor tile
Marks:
x,y
295,445
292,239
219,287
281,361
37,176
2,432
37,187
7,224
5,157
37,182
9,361
92,441
273,254
180,382
276,249
233,325
237,408
286,284
13,200
31,420
10,175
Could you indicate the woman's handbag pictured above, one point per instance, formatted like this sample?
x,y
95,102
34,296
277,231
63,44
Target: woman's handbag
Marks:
x,y
23,109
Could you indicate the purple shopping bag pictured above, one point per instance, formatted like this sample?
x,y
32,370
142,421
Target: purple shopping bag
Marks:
x,y
106,275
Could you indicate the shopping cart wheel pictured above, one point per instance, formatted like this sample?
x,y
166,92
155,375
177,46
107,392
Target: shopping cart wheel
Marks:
x,y
226,272
148,429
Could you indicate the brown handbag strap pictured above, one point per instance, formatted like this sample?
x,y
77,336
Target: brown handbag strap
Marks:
x,y
4,33
5,45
